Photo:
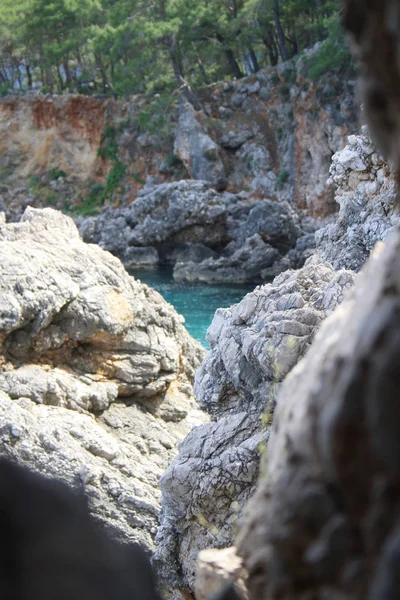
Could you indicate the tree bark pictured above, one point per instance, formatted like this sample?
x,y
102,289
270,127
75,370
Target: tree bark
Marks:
x,y
279,31
254,60
234,65
100,67
60,79
272,50
202,70
179,75
29,76
67,72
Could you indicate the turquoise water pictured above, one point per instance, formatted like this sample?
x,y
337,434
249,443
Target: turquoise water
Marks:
x,y
197,302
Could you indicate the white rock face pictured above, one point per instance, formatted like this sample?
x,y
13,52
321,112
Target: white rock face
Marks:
x,y
368,204
254,344
96,371
198,152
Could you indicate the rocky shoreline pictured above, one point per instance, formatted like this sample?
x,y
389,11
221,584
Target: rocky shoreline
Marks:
x,y
102,387
221,237
97,371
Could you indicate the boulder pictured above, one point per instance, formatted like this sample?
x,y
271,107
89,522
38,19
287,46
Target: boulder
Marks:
x,y
244,265
254,344
261,233
140,257
208,236
96,371
166,215
324,521
367,196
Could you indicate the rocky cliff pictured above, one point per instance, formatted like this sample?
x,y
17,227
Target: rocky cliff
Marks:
x,y
271,135
254,344
366,193
325,517
261,148
96,372
208,236
325,522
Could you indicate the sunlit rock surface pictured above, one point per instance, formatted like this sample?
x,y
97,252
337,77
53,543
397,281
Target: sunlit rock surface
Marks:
x,y
96,371
368,199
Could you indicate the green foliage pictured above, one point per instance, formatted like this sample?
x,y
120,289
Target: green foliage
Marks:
x,y
155,117
114,177
283,176
34,180
125,47
109,150
42,192
92,203
98,193
136,177
284,91
266,417
6,172
289,76
51,198
333,54
275,78
172,161
4,88
56,173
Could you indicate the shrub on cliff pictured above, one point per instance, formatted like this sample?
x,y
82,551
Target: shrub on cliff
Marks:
x,y
332,54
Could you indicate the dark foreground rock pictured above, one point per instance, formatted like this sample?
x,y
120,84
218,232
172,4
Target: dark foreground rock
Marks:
x,y
254,344
96,372
325,519
51,548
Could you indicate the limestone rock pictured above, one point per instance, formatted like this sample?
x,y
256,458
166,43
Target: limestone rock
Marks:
x,y
198,152
216,569
245,264
167,215
254,344
367,197
324,521
207,236
140,257
96,371
272,127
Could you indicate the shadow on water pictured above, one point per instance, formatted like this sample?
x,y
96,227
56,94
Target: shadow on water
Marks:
x,y
197,302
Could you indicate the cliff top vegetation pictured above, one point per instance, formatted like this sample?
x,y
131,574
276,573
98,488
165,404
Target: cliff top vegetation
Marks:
x,y
125,47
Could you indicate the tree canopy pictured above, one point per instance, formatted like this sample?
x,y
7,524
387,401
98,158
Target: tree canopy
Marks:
x,y
125,47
